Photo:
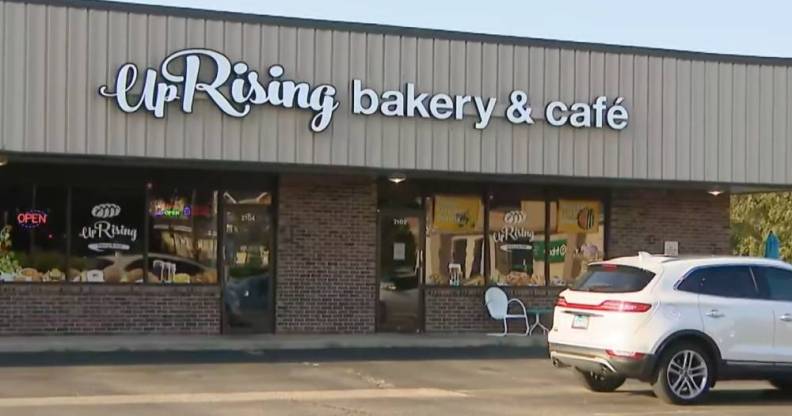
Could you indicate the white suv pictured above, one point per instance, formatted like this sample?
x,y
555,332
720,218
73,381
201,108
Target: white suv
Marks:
x,y
678,323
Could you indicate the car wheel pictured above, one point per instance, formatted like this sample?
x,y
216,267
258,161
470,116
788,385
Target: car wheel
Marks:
x,y
684,374
598,382
783,384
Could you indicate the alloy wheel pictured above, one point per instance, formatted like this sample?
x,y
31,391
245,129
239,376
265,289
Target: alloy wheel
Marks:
x,y
687,374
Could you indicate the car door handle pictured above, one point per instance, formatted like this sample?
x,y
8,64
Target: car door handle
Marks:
x,y
715,314
786,317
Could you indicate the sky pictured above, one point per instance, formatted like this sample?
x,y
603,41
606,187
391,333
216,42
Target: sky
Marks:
x,y
756,27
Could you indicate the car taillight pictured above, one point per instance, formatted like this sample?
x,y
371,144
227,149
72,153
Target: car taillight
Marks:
x,y
608,305
625,354
619,306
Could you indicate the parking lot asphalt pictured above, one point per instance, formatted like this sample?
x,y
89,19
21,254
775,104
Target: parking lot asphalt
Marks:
x,y
403,387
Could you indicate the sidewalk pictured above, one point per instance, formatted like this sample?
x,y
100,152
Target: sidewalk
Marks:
x,y
141,349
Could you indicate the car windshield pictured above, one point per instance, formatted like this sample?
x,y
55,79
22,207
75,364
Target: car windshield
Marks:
x,y
612,278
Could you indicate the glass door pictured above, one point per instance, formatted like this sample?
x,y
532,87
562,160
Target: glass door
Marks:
x,y
247,262
400,300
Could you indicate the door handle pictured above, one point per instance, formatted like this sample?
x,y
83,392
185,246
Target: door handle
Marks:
x,y
786,317
715,314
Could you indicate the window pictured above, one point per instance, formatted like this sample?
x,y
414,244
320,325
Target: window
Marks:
x,y
455,240
182,236
577,238
613,279
128,233
517,242
778,282
515,236
723,281
33,234
107,235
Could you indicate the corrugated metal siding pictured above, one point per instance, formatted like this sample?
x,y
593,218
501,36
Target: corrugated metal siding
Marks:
x,y
689,120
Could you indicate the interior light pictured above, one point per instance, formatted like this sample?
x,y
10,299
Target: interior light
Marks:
x,y
397,177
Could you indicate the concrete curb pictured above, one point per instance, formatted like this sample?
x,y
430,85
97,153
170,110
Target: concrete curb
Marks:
x,y
130,349
142,357
188,343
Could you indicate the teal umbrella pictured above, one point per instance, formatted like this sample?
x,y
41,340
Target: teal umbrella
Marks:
x,y
772,246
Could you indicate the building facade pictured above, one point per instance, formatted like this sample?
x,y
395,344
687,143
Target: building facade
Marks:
x,y
174,170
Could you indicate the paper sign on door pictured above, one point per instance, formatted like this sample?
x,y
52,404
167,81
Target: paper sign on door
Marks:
x,y
399,251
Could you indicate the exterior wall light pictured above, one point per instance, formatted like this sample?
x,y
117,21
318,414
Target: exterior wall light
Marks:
x,y
3,159
397,177
715,192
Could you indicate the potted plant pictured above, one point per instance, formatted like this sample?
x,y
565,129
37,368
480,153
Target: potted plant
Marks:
x,y
9,264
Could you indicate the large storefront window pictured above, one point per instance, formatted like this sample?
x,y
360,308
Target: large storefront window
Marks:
x,y
577,239
33,235
107,236
455,241
521,236
517,241
182,236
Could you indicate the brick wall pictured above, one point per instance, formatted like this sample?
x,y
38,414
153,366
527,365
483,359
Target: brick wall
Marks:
x,y
462,309
326,271
53,309
641,220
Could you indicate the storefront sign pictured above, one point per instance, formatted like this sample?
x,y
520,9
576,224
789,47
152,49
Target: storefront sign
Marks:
x,y
412,103
514,217
31,219
106,210
178,209
511,234
557,251
245,88
234,88
514,233
106,230
173,213
513,247
578,216
456,213
104,235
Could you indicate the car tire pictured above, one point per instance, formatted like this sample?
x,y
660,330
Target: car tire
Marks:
x,y
783,384
598,382
684,374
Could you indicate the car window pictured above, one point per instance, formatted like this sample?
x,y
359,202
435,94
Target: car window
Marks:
x,y
724,281
611,278
777,282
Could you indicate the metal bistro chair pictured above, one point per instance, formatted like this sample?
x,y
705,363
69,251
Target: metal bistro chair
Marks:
x,y
497,303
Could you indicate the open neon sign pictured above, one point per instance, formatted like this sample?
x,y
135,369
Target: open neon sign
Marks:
x,y
178,211
185,212
32,218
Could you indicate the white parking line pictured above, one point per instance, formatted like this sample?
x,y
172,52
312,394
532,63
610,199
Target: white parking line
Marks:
x,y
419,393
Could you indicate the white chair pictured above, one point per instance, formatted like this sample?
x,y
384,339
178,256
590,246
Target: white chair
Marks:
x,y
498,303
